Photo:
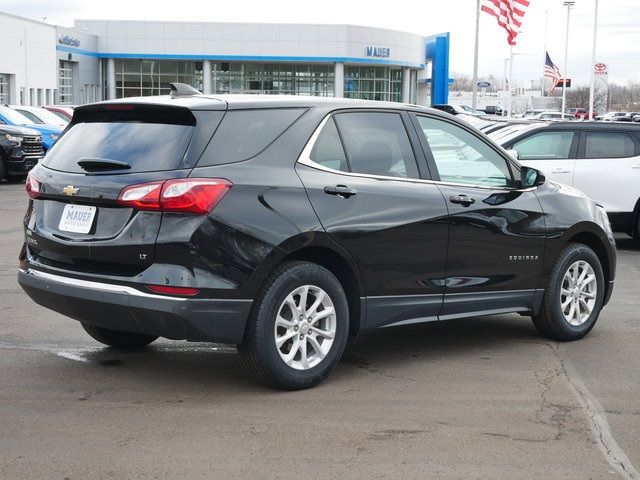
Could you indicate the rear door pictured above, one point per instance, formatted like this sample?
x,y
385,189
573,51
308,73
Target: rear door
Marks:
x,y
364,183
76,223
551,151
608,169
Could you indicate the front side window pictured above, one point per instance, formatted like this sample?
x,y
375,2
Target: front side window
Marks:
x,y
376,143
545,146
609,145
461,157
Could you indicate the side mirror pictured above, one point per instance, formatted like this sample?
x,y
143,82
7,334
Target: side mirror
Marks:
x,y
513,154
530,177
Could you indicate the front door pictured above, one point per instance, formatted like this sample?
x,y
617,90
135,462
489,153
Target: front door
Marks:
x,y
553,152
497,233
363,181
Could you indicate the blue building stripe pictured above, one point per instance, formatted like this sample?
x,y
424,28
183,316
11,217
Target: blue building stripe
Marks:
x,y
245,58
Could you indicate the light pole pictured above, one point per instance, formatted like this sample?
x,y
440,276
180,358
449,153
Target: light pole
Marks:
x,y
509,79
568,4
593,61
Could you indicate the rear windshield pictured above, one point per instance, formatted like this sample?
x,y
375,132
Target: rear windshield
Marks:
x,y
146,147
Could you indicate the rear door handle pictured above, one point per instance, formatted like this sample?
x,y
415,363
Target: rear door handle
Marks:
x,y
340,190
560,170
637,167
462,200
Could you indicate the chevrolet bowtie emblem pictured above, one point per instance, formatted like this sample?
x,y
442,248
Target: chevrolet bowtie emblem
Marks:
x,y
70,190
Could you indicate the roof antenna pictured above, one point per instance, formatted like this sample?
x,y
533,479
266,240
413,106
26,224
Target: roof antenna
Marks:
x,y
182,89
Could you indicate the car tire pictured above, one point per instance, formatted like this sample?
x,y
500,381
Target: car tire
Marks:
x,y
118,339
280,331
3,168
574,296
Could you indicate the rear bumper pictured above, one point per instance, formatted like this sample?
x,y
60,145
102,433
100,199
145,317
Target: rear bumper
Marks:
x,y
119,307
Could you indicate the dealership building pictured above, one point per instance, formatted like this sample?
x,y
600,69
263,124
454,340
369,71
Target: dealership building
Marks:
x,y
103,59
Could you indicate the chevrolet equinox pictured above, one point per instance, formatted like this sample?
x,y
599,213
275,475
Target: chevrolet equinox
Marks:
x,y
286,225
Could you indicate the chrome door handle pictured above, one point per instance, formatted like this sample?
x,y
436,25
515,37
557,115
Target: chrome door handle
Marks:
x,y
560,170
462,200
340,190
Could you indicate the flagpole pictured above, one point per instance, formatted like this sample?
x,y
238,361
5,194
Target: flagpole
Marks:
x,y
568,4
593,62
510,108
474,99
546,22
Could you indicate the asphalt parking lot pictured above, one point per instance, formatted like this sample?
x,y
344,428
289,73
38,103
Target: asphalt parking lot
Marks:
x,y
474,399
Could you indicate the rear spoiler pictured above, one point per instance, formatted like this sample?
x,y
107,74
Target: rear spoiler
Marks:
x,y
133,112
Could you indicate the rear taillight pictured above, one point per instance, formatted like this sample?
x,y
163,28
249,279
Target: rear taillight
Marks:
x,y
187,195
32,186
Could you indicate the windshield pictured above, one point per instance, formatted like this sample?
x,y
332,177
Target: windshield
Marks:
x,y
14,117
49,118
503,137
146,147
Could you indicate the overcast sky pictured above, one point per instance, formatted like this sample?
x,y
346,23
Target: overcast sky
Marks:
x,y
618,35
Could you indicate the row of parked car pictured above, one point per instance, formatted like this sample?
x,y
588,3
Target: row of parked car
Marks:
x,y
600,159
543,113
26,133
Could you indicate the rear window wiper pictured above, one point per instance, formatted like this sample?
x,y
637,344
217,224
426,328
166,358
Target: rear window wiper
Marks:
x,y
102,164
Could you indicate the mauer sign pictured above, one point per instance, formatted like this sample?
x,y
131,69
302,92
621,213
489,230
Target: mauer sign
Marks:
x,y
378,52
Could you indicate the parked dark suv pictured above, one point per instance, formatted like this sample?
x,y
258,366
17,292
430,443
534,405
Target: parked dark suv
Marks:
x,y
20,150
286,225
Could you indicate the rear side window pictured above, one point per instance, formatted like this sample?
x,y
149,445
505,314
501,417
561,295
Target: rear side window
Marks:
x,y
146,147
376,143
328,150
609,145
545,146
243,134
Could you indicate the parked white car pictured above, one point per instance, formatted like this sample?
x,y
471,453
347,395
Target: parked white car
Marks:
x,y
40,115
553,116
601,159
613,116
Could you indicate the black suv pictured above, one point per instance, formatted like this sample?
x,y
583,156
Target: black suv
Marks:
x,y
20,150
286,225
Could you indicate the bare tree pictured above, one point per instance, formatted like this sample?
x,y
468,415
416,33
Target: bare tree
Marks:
x,y
578,97
461,82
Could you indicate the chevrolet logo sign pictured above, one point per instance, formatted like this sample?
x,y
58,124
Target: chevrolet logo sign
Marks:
x,y
70,190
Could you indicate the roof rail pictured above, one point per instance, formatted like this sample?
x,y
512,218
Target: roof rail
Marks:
x,y
182,89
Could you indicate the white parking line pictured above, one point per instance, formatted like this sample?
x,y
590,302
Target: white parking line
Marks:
x,y
613,453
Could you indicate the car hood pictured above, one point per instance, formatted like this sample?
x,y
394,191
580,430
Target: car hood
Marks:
x,y
13,130
45,129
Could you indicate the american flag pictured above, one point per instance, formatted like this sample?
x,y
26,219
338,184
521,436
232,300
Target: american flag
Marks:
x,y
551,71
509,14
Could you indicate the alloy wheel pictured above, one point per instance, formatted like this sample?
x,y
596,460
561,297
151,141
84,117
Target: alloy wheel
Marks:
x,y
578,292
305,327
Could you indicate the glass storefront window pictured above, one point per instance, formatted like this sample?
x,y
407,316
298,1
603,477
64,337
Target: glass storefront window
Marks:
x,y
65,83
152,77
272,78
373,83
4,88
136,78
